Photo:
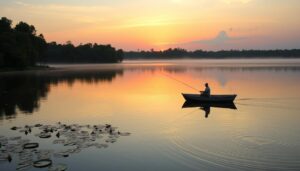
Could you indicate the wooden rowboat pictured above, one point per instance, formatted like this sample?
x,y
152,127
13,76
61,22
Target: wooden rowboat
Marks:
x,y
211,98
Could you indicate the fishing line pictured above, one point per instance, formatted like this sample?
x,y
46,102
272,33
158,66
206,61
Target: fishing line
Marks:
x,y
180,82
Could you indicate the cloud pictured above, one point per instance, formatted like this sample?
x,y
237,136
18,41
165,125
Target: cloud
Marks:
x,y
221,41
221,38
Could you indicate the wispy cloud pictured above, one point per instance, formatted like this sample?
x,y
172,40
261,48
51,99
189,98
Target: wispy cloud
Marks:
x,y
220,39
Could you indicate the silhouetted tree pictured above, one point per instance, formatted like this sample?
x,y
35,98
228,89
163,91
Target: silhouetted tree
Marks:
x,y
19,46
5,25
25,28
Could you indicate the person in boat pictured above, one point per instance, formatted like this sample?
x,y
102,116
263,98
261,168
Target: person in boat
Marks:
x,y
206,92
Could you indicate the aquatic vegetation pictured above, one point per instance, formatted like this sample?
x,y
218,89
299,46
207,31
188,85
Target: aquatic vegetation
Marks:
x,y
72,138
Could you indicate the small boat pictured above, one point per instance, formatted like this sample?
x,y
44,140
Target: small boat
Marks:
x,y
211,98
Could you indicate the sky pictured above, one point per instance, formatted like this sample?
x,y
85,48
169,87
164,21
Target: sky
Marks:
x,y
161,24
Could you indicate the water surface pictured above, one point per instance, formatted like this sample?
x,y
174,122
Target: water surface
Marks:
x,y
144,98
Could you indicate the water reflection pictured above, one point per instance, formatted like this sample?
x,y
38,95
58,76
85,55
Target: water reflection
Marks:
x,y
263,134
22,92
207,106
25,91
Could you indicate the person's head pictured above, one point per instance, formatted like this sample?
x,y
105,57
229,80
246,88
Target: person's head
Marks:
x,y
206,84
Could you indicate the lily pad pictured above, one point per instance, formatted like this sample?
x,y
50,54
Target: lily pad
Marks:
x,y
42,163
30,145
45,135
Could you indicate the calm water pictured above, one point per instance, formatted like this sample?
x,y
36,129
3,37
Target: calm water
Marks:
x,y
144,98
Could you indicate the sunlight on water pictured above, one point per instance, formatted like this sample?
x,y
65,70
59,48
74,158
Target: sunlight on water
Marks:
x,y
259,132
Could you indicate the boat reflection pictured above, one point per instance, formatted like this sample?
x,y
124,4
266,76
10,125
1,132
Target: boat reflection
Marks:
x,y
205,106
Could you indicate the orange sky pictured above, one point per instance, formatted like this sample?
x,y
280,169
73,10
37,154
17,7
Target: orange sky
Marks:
x,y
141,24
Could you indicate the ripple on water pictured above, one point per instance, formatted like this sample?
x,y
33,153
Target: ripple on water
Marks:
x,y
236,152
258,140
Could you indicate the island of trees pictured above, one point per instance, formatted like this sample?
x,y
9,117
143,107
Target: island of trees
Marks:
x,y
178,53
21,47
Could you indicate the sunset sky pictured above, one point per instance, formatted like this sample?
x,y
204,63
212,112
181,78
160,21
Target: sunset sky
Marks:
x,y
159,24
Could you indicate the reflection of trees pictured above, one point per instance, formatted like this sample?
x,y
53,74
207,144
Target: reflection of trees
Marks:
x,y
24,91
175,69
184,68
152,68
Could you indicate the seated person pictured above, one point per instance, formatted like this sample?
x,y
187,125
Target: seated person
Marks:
x,y
206,92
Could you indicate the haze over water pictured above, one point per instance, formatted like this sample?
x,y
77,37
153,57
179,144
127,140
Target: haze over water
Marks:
x,y
144,98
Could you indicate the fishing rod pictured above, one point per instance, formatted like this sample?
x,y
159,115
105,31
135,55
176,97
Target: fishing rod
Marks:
x,y
181,82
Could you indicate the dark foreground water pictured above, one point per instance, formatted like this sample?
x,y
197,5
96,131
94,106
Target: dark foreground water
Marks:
x,y
144,99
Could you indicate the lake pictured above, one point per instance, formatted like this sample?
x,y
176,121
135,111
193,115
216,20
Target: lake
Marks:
x,y
143,100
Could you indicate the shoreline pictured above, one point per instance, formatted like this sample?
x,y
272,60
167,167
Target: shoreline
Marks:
x,y
133,62
205,58
35,68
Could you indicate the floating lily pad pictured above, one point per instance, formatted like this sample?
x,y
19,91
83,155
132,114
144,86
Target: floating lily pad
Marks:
x,y
45,135
75,137
42,163
15,128
30,145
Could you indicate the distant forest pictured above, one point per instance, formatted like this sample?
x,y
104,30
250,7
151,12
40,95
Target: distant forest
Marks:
x,y
178,53
83,53
21,48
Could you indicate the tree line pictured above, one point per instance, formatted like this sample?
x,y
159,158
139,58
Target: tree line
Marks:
x,y
83,53
177,53
21,47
